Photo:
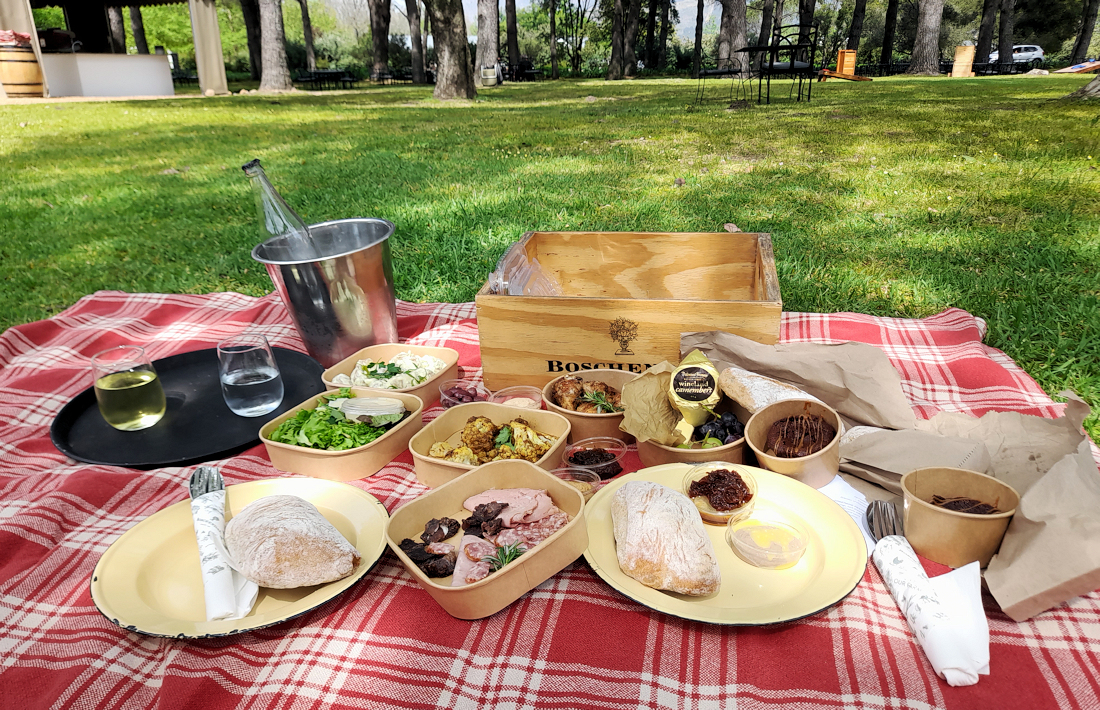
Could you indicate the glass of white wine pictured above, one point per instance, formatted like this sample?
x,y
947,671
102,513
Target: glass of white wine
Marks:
x,y
129,393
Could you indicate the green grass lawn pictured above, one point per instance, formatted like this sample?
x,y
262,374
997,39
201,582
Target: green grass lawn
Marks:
x,y
896,197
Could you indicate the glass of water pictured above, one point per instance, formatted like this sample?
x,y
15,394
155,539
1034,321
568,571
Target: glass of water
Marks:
x,y
251,383
129,394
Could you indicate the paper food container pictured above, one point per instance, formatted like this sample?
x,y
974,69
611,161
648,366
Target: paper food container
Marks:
x,y
947,536
653,454
626,297
433,472
588,426
814,470
427,391
498,590
352,464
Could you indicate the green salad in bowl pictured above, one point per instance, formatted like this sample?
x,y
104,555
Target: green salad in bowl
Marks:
x,y
340,421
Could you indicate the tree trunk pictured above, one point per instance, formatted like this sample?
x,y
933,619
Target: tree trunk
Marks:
x,y
1004,38
805,17
454,77
630,39
615,65
307,34
926,47
416,49
427,32
888,32
855,30
554,74
662,44
488,25
985,31
697,55
764,38
1084,35
650,35
250,9
274,75
1090,90
731,33
512,32
380,37
118,30
137,29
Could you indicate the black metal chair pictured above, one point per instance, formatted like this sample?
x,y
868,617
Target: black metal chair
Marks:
x,y
792,53
737,69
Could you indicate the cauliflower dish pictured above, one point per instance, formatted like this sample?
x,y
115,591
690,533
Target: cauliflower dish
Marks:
x,y
482,442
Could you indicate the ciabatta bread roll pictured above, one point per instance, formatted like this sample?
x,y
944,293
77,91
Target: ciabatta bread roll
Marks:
x,y
754,392
661,541
284,542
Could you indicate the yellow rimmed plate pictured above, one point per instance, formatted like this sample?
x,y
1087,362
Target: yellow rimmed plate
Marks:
x,y
148,581
830,569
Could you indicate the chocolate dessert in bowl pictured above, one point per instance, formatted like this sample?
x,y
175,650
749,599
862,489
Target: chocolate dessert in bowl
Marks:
x,y
799,438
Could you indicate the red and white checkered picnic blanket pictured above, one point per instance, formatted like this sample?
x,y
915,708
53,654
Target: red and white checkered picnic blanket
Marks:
x,y
572,642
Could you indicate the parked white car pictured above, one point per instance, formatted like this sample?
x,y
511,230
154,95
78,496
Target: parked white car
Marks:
x,y
1022,54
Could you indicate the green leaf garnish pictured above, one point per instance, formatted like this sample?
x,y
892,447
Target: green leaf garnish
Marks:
x,y
600,400
504,555
504,438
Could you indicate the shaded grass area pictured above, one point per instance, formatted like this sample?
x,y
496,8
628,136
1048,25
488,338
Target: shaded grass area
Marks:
x,y
896,197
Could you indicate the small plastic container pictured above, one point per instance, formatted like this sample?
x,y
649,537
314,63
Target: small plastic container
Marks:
x,y
610,468
454,392
587,482
769,544
520,396
706,510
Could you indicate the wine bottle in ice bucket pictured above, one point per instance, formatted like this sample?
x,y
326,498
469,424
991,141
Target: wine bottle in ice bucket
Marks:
x,y
277,217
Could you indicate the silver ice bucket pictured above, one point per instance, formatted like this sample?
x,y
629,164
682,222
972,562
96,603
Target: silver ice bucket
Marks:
x,y
343,301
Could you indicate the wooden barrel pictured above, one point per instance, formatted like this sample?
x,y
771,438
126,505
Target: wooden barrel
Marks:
x,y
20,73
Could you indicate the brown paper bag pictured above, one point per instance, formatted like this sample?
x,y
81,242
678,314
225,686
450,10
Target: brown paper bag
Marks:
x,y
1051,550
884,456
648,413
855,379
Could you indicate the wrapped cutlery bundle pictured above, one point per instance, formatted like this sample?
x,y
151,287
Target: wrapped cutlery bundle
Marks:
x,y
945,613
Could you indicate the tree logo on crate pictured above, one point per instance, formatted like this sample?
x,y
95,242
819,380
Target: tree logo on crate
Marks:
x,y
623,332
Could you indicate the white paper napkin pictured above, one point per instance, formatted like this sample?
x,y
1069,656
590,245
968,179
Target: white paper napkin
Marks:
x,y
945,613
853,503
229,594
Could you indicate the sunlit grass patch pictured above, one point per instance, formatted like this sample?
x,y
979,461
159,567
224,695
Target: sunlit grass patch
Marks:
x,y
895,197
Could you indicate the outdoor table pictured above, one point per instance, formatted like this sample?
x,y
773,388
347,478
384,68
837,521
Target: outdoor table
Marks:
x,y
572,642
326,78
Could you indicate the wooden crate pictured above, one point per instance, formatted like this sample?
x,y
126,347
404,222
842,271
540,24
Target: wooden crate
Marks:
x,y
650,286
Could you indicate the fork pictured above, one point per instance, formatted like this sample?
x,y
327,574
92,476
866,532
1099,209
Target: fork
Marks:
x,y
205,479
883,519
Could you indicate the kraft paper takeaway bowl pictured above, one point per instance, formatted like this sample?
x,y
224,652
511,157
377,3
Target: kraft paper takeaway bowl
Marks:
x,y
814,470
498,590
427,391
587,426
447,427
947,536
351,464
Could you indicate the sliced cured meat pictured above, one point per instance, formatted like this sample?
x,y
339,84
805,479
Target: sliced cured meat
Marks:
x,y
523,505
543,507
471,566
509,536
536,532
440,548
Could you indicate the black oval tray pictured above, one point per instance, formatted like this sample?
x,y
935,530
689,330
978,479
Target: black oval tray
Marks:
x,y
197,426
